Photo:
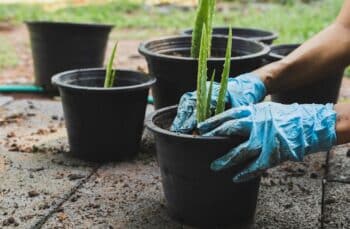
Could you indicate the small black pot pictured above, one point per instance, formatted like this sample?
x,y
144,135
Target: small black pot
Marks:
x,y
58,46
321,92
168,60
258,35
103,124
195,194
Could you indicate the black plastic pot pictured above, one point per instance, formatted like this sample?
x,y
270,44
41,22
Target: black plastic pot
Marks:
x,y
103,124
168,60
258,35
195,194
321,92
58,46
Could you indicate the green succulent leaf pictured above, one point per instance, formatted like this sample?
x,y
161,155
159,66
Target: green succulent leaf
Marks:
x,y
204,18
110,73
202,78
220,107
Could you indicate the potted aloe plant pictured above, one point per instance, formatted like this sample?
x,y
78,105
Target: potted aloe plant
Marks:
x,y
322,92
259,35
173,61
104,111
61,46
196,195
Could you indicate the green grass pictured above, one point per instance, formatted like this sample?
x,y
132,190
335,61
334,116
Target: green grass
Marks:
x,y
8,57
295,21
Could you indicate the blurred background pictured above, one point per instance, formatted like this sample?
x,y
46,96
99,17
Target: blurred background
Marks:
x,y
137,20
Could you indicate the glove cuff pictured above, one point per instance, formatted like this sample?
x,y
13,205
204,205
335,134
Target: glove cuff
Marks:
x,y
324,130
250,87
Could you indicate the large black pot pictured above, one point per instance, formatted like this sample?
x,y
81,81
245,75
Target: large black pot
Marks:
x,y
258,35
196,195
103,124
58,46
321,92
168,60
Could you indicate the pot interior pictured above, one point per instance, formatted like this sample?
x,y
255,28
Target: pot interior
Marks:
x,y
283,50
94,78
181,46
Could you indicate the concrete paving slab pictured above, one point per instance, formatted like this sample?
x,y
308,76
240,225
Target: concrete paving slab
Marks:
x,y
32,185
339,164
122,195
26,124
129,195
337,205
5,99
291,195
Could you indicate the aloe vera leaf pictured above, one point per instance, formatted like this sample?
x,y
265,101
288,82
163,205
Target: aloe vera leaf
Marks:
x,y
202,77
220,107
110,73
210,92
200,20
211,10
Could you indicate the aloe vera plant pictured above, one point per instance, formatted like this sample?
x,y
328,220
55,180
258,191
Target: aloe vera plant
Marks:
x,y
110,73
204,96
202,78
220,107
204,19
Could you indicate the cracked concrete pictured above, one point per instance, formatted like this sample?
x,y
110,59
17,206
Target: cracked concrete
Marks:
x,y
45,187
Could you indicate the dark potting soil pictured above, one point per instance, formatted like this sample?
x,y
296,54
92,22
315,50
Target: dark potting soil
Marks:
x,y
98,83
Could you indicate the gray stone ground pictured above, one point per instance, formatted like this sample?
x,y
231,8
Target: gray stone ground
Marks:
x,y
42,187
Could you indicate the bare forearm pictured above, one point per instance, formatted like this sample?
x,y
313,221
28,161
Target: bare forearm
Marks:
x,y
324,54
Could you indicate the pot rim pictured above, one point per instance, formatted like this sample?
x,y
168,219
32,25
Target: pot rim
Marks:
x,y
272,34
62,23
279,56
146,52
156,129
56,80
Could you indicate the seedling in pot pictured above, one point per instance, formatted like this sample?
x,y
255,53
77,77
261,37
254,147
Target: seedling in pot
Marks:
x,y
203,96
204,19
110,72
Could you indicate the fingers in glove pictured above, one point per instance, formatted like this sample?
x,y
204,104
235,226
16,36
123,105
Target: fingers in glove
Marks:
x,y
185,120
252,171
239,127
236,156
217,120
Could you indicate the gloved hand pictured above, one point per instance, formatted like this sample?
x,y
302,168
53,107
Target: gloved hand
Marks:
x,y
276,133
242,90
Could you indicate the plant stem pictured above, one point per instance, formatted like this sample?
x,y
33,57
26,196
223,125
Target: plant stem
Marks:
x,y
220,107
110,73
202,77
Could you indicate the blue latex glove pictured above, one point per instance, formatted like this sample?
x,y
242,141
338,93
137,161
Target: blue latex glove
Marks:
x,y
276,133
242,90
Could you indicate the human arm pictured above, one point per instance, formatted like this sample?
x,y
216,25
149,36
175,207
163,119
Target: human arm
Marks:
x,y
325,53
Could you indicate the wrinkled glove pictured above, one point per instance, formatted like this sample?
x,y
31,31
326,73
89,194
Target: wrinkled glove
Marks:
x,y
276,133
242,90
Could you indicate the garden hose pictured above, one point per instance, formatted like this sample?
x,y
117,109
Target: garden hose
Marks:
x,y
13,88
10,88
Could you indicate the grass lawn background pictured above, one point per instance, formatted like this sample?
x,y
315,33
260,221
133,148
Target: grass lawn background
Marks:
x,y
295,21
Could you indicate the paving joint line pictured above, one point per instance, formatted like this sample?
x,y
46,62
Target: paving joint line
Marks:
x,y
65,198
323,187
